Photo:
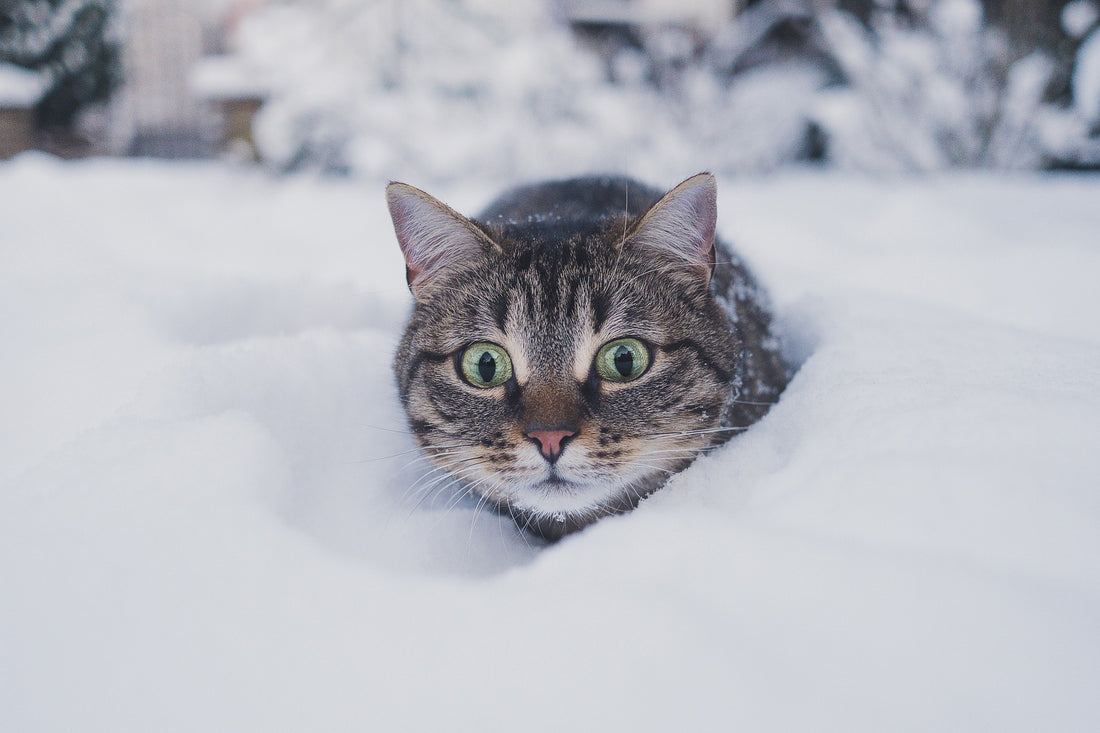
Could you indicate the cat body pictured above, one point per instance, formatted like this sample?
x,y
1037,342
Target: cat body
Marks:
x,y
578,343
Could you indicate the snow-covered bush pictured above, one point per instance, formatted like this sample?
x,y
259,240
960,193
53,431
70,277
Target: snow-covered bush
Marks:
x,y
445,89
929,91
1081,21
1073,135
758,121
73,44
449,89
433,87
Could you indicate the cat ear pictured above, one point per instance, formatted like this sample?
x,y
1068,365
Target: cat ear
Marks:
x,y
431,234
681,225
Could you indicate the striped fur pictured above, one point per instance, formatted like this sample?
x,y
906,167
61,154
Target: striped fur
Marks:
x,y
551,273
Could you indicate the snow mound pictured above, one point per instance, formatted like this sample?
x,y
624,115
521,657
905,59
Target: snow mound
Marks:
x,y
211,517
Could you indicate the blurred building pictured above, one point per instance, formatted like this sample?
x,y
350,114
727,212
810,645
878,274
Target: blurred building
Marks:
x,y
157,112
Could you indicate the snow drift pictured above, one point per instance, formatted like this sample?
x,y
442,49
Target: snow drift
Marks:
x,y
210,515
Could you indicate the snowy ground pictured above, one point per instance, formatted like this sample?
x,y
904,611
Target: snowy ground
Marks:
x,y
204,511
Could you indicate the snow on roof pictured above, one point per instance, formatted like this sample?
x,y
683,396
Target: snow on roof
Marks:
x,y
20,87
227,77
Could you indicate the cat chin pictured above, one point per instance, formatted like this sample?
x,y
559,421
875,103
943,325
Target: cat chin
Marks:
x,y
556,495
554,509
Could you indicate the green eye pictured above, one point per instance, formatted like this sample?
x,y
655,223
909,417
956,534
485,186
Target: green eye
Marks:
x,y
486,365
622,360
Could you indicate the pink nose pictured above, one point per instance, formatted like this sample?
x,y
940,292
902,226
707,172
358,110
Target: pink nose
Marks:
x,y
551,442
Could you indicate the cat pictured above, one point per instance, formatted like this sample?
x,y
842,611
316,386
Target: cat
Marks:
x,y
578,343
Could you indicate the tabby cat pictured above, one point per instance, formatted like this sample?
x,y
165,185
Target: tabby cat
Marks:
x,y
578,343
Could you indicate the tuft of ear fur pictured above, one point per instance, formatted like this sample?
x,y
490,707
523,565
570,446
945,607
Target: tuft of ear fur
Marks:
x,y
681,225
431,234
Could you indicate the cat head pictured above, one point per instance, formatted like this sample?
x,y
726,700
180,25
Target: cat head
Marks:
x,y
561,373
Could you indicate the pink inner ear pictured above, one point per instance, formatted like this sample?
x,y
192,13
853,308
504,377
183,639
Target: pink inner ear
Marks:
x,y
432,236
682,223
702,198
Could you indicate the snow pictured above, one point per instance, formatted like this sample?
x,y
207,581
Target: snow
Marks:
x,y
226,77
448,89
935,98
959,18
204,519
445,90
20,87
1078,17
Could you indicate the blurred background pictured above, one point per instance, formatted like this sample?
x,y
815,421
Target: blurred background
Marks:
x,y
443,90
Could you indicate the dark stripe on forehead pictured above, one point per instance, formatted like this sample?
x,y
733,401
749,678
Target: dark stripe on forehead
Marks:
x,y
548,281
600,306
580,255
570,300
721,373
500,308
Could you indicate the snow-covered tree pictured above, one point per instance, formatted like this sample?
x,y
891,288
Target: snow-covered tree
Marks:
x,y
71,43
931,86
442,87
1073,134
450,89
1081,20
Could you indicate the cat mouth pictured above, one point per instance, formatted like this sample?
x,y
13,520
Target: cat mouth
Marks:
x,y
559,495
554,484
556,497
554,480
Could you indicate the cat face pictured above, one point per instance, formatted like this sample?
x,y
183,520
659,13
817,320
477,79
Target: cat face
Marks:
x,y
563,379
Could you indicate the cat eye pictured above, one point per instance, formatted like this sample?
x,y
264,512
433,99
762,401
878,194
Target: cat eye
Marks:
x,y
622,360
485,365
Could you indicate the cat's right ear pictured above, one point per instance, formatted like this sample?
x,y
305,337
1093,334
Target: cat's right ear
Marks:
x,y
432,235
681,225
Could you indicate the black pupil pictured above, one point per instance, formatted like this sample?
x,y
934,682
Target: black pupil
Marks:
x,y
624,361
487,367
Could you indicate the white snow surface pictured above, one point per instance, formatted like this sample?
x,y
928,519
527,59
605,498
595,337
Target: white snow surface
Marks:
x,y
209,513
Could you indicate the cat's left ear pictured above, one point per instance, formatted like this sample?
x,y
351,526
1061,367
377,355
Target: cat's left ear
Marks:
x,y
681,225
432,235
